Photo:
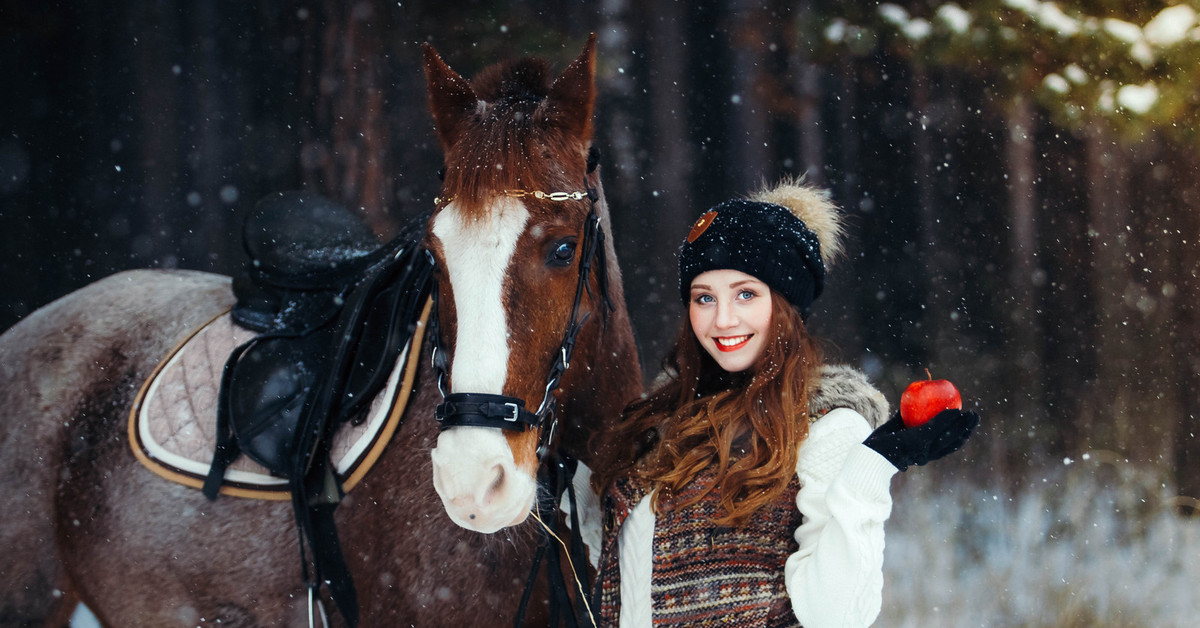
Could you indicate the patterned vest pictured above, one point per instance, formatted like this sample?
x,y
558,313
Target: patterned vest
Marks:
x,y
704,574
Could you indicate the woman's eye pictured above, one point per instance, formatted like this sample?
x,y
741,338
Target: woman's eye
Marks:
x,y
562,253
704,298
746,295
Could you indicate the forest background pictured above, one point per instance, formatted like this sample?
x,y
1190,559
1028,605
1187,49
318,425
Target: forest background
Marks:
x,y
1021,178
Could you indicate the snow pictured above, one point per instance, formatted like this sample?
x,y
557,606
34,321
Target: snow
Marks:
x,y
1052,17
1075,74
955,18
1138,98
1170,26
1048,14
1062,551
1028,6
1122,30
1106,101
915,29
1142,53
893,13
1056,83
836,31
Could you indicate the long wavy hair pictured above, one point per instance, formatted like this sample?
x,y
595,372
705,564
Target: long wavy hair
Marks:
x,y
746,426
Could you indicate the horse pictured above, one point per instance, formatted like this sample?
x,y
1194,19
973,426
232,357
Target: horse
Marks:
x,y
529,313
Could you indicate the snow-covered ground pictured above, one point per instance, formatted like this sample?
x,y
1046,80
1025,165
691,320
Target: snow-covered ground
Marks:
x,y
1091,545
1094,546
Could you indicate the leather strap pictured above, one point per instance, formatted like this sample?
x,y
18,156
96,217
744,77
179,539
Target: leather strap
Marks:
x,y
485,410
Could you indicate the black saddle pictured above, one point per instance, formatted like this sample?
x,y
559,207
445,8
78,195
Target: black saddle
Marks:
x,y
333,309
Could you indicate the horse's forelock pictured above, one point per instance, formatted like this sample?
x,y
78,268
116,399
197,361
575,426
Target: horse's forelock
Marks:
x,y
527,79
507,145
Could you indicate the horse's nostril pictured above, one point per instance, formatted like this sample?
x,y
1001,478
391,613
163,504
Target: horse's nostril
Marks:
x,y
499,479
496,488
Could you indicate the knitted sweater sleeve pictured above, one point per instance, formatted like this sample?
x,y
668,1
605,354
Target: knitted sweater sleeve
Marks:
x,y
835,579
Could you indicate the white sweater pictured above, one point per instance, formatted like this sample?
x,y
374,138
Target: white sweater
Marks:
x,y
835,578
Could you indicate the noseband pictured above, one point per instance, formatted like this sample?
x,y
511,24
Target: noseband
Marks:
x,y
510,413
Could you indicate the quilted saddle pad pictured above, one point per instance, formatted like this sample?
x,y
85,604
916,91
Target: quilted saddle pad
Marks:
x,y
173,422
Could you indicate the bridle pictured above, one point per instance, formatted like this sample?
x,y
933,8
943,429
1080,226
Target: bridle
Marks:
x,y
510,413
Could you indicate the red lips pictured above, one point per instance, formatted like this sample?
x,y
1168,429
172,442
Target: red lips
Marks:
x,y
728,348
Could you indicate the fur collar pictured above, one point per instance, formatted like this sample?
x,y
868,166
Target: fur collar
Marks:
x,y
840,386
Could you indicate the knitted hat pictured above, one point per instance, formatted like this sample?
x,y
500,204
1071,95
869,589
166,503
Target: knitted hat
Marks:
x,y
777,235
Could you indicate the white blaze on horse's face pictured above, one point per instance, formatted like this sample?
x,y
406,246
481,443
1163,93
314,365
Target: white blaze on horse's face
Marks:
x,y
474,471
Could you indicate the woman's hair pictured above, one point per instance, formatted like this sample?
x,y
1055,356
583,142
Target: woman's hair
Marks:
x,y
747,425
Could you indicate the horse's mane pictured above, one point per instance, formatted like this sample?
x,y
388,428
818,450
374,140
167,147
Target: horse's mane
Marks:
x,y
510,142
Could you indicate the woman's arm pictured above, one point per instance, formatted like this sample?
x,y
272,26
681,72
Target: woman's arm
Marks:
x,y
836,576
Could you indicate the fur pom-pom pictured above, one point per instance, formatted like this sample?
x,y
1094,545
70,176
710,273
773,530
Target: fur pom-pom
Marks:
x,y
813,206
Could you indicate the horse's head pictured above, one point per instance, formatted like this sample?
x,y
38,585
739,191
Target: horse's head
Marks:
x,y
521,271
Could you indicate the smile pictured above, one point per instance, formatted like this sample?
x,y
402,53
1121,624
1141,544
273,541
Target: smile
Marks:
x,y
731,343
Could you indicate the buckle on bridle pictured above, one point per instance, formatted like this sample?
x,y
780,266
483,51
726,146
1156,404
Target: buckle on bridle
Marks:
x,y
485,410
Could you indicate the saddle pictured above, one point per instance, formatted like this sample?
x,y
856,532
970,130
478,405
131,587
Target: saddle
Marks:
x,y
333,310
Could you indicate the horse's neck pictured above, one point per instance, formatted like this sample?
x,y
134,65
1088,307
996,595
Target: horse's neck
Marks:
x,y
622,350
612,376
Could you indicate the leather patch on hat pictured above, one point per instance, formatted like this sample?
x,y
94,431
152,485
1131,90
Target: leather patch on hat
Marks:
x,y
701,225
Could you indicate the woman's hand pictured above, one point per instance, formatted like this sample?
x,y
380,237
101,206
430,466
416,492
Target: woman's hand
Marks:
x,y
944,434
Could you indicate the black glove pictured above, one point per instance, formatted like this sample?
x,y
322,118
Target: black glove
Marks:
x,y
942,435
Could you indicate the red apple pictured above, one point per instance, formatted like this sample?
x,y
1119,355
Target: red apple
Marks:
x,y
922,400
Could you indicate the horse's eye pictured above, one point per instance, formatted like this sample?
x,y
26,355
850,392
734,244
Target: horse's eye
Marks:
x,y
561,253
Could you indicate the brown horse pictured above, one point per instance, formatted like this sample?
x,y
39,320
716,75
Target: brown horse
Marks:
x,y
83,520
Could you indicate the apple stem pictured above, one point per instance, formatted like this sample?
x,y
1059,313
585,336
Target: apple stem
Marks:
x,y
928,375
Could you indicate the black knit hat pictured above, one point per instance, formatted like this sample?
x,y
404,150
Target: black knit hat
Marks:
x,y
767,240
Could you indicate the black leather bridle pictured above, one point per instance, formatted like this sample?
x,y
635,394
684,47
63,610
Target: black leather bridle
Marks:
x,y
510,413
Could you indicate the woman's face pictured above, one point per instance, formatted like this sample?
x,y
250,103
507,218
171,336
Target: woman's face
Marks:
x,y
731,317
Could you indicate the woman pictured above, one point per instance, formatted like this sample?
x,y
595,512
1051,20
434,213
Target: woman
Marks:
x,y
749,487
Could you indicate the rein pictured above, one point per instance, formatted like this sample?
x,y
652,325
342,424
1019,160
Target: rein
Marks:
x,y
510,413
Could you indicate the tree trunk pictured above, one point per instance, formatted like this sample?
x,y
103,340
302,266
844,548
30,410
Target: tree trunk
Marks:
x,y
1185,325
931,246
1026,379
161,170
671,167
345,153
1109,422
749,120
806,84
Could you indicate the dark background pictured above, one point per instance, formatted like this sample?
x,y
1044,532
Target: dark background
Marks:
x,y
1037,249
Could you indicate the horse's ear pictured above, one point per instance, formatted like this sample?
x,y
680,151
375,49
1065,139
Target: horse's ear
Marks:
x,y
451,99
573,94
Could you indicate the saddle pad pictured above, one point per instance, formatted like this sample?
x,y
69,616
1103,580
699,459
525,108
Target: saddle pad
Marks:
x,y
173,422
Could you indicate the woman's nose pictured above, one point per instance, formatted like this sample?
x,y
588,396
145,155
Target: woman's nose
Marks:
x,y
726,317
